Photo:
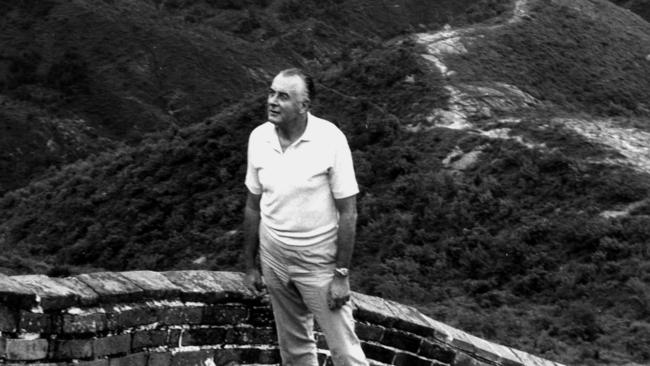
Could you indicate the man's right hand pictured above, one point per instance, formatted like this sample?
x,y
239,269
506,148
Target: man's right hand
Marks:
x,y
253,281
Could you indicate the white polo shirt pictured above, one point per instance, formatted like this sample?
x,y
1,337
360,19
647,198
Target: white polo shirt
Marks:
x,y
298,186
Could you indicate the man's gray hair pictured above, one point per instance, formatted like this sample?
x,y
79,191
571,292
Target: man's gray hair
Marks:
x,y
306,78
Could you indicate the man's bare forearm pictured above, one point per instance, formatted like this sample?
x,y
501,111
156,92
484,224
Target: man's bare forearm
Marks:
x,y
251,230
251,237
347,208
345,241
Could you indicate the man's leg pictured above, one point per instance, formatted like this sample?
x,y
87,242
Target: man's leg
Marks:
x,y
293,321
337,325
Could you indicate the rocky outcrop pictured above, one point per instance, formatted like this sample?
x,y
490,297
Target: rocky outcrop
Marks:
x,y
144,318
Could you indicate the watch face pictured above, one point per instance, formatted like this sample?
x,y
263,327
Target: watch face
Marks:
x,y
343,272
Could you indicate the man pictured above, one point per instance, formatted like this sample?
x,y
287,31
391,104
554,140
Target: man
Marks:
x,y
301,216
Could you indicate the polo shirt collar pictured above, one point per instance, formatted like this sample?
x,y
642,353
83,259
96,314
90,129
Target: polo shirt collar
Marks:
x,y
307,135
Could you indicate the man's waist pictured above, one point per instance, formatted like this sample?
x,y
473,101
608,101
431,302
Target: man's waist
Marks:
x,y
300,236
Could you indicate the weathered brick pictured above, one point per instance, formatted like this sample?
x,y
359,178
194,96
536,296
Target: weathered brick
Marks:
x,y
437,351
261,316
112,287
136,359
220,314
30,322
112,345
252,335
179,315
261,356
368,332
8,320
174,338
463,341
150,338
66,349
411,320
197,286
233,284
442,331
23,349
207,336
378,352
155,285
191,358
493,352
407,359
401,340
34,364
87,296
372,309
100,362
52,294
159,359
528,359
463,359
15,295
119,317
265,335
226,356
82,322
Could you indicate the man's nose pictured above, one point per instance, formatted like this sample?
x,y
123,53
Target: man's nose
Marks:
x,y
272,99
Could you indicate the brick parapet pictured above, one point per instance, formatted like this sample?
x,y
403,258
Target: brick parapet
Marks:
x,y
145,318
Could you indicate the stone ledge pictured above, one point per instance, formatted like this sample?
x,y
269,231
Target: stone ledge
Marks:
x,y
112,287
13,293
128,301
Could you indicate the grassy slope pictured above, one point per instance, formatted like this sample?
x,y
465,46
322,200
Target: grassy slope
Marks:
x,y
581,284
513,250
82,76
592,63
123,69
640,7
117,57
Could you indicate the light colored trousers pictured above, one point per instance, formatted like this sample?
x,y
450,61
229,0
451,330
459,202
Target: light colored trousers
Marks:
x,y
298,280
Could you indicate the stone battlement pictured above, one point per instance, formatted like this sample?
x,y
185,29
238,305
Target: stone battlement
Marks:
x,y
145,318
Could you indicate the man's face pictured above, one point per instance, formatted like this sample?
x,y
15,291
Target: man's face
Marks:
x,y
286,100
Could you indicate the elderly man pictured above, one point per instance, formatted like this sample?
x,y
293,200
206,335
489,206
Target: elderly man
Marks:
x,y
301,215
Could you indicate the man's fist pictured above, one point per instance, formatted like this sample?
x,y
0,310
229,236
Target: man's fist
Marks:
x,y
253,281
339,292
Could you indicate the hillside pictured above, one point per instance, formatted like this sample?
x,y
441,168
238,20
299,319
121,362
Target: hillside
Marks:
x,y
80,77
640,7
487,185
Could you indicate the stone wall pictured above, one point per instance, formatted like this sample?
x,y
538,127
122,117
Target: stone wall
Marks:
x,y
144,318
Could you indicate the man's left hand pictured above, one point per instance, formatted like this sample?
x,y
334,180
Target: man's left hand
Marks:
x,y
339,292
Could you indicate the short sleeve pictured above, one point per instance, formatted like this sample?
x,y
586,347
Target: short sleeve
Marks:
x,y
343,182
252,180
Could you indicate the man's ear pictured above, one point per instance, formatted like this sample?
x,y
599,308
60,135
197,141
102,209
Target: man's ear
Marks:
x,y
306,104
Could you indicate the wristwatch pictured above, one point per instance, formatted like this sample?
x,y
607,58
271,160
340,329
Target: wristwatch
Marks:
x,y
341,272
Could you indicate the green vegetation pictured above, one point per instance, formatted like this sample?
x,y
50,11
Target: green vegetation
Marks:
x,y
640,7
558,55
513,248
126,68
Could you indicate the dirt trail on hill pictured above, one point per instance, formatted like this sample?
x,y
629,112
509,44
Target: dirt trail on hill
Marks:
x,y
467,101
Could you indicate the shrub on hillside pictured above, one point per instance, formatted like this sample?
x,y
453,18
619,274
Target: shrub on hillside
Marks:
x,y
565,58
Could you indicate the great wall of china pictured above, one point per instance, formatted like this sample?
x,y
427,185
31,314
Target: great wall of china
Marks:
x,y
186,318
